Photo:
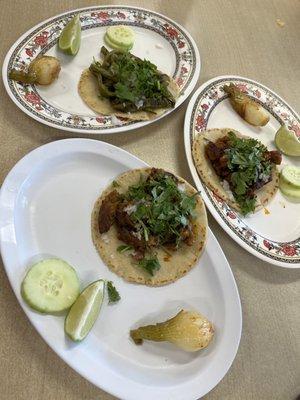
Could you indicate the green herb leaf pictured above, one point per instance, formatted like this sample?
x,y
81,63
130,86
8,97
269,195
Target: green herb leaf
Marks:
x,y
115,184
123,248
151,265
247,161
113,294
162,210
130,83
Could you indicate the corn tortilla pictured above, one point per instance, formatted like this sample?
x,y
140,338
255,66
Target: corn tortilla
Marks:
x,y
213,181
89,92
172,268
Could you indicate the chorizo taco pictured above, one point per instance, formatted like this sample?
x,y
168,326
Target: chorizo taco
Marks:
x,y
238,169
149,226
122,84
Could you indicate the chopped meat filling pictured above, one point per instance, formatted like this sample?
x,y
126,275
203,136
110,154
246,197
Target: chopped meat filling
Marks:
x,y
215,152
120,210
108,210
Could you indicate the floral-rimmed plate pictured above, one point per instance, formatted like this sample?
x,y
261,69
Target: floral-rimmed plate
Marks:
x,y
272,234
159,39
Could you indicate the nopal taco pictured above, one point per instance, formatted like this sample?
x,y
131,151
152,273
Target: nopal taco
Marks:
x,y
237,168
149,226
122,84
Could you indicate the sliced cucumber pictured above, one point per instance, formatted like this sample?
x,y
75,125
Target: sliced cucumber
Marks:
x,y
50,286
289,190
120,35
116,46
291,175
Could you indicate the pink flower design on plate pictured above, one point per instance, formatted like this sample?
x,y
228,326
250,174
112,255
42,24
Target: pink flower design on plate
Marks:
x,y
267,244
121,15
179,81
29,52
181,44
231,215
200,121
42,39
289,250
33,98
100,120
184,69
257,94
171,31
100,15
242,87
204,107
296,129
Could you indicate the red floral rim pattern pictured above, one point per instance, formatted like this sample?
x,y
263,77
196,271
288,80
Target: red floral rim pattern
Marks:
x,y
46,36
204,105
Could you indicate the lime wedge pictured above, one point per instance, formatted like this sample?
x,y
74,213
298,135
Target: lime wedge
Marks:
x,y
70,37
291,175
287,142
85,311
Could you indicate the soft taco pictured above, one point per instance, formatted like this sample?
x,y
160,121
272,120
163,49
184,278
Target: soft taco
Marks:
x,y
238,169
149,226
122,84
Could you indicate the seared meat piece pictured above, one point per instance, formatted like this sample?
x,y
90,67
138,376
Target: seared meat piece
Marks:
x,y
129,238
156,172
223,161
122,216
222,143
187,236
213,152
107,211
138,256
274,156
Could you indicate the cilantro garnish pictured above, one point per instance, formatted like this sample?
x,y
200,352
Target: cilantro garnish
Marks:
x,y
247,161
131,84
123,248
113,294
162,210
151,265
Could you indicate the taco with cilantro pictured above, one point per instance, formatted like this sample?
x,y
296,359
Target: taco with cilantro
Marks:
x,y
149,226
124,85
238,169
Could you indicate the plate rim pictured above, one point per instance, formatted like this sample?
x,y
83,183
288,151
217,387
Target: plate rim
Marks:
x,y
4,219
116,129
196,178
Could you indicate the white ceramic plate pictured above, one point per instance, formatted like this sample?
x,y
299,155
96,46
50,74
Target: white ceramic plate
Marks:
x,y
158,39
272,234
45,209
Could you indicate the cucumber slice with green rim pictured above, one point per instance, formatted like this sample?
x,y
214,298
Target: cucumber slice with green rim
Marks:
x,y
120,35
85,311
50,286
291,175
289,190
116,46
